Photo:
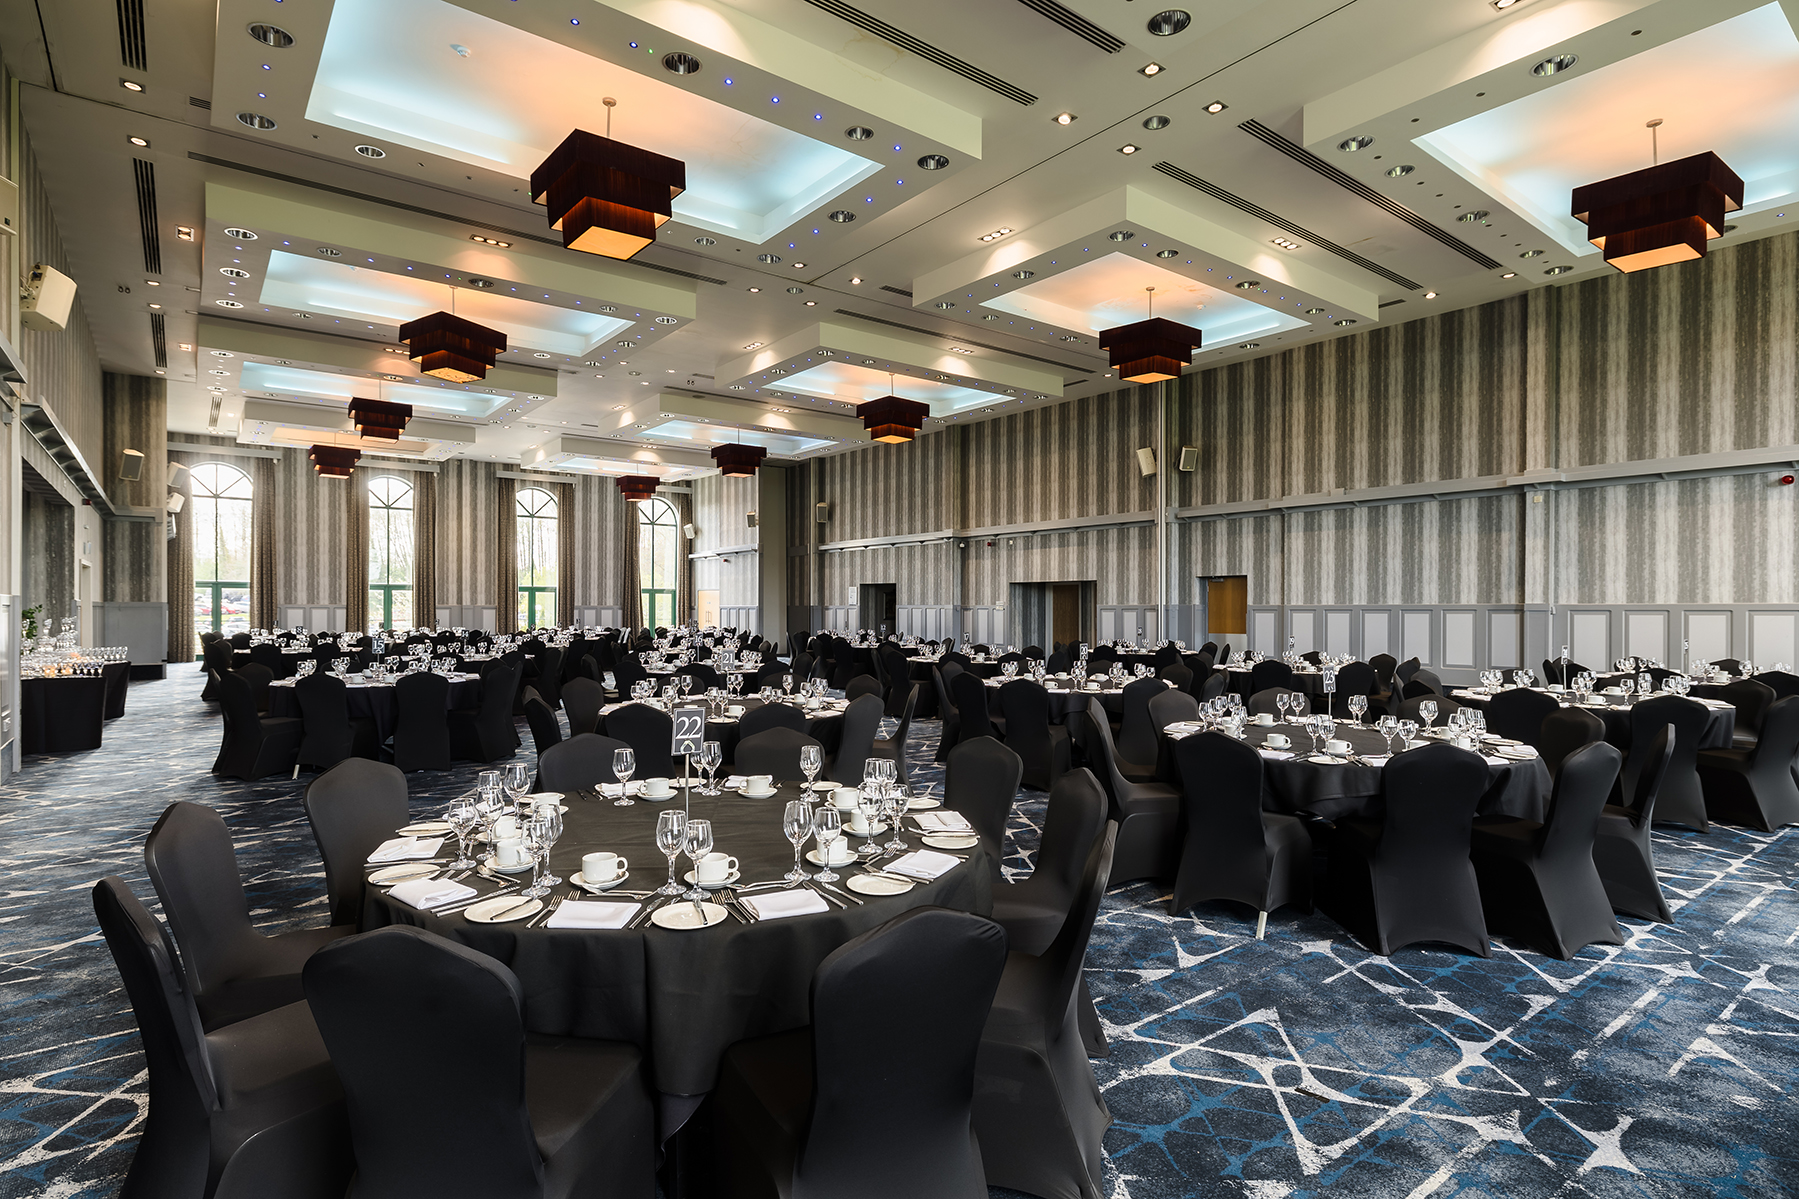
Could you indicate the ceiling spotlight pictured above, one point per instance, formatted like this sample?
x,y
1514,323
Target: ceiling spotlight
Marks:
x,y
841,216
228,303
988,316
255,120
131,85
680,63
1343,322
489,241
1502,5
1314,311
1469,218
1533,254
1555,65
328,252
945,305
156,306
1216,107
1023,274
858,133
1150,69
1350,145
799,266
1249,284
755,345
1065,118
855,279
235,272
755,289
371,151
1509,275
959,350
1430,295
185,347
1558,270
270,35
1157,122
1250,345
138,141
1127,148
1170,22
812,303
932,162
1167,253
768,259
1400,172
668,320
794,291
1121,234
1284,244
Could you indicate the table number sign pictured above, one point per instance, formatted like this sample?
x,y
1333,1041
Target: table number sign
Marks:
x,y
690,730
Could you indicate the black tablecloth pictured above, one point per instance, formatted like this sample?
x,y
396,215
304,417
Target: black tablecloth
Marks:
x,y
117,677
1616,716
825,728
682,996
1310,682
374,702
1066,703
61,715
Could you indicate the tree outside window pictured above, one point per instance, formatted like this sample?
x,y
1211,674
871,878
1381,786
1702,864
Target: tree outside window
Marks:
x,y
220,519
391,553
537,553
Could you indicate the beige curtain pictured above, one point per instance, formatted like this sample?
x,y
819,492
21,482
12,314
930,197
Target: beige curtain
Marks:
x,y
565,553
181,573
424,550
631,602
264,585
356,548
505,556
683,565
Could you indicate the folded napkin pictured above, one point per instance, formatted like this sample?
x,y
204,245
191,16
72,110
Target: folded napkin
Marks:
x,y
1519,751
405,849
942,822
777,905
736,780
1275,754
1494,761
1376,759
427,893
584,913
924,863
617,790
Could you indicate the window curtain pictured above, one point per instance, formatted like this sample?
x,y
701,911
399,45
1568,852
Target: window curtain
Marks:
x,y
683,564
565,553
506,556
424,550
264,586
356,548
631,603
181,572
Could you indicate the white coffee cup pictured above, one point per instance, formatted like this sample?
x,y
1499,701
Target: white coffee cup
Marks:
x,y
1262,718
759,784
715,867
506,828
855,821
1277,741
509,851
734,710
837,851
603,867
1337,747
658,786
845,798
1463,742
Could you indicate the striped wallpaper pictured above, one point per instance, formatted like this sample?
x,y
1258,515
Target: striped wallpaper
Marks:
x,y
136,554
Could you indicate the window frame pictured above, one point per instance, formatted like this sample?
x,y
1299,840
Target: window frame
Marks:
x,y
536,601
381,594
205,495
659,604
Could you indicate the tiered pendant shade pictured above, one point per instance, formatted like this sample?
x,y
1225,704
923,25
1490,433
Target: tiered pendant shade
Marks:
x,y
378,418
333,461
606,197
1661,215
1150,351
637,488
448,347
738,461
892,419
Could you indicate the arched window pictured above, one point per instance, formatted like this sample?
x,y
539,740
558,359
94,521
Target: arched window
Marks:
x,y
220,522
536,512
657,545
390,552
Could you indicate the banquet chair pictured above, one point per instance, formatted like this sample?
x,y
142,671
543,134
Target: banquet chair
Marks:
x,y
506,1115
1729,665
1269,701
328,735
549,677
1785,685
774,751
1681,799
1356,678
1622,850
259,678
1312,657
1406,877
1033,910
1566,730
772,716
704,676
1147,814
1756,786
949,731
980,780
1538,880
352,808
1659,676
254,746
1037,1107
1171,707
269,656
899,679
421,738
252,1111
1519,713
1408,708
1136,741
800,666
546,730
1214,685
627,672
1059,661
650,732
795,1110
1751,701
1385,693
487,734
1406,669
1269,672
240,641
590,670
233,971
582,699
1555,672
862,684
973,719
1232,848
861,725
1043,745
894,748
215,658
581,763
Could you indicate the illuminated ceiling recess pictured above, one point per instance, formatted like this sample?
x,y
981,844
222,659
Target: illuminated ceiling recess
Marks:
x,y
1661,215
333,461
448,347
892,419
606,197
637,488
379,418
737,460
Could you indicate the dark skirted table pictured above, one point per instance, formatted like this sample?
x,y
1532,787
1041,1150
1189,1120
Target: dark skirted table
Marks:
x,y
1066,700
1310,682
117,677
374,701
62,715
1719,730
825,726
683,997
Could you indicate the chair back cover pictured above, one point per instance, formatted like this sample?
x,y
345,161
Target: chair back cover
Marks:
x,y
970,693
980,780
1357,678
861,725
1214,685
1408,708
1519,712
1751,701
862,684
1059,661
499,690
1430,797
428,1039
650,732
1269,673
422,722
1025,705
704,676
1582,786
1384,666
325,718
1566,730
934,973
946,707
772,716
545,729
1166,709
1679,796
353,808
1136,731
1222,785
1075,816
193,867
1061,976
1785,685
1268,701
774,751
581,763
548,679
1779,740
1100,742
582,699
627,672
1554,671
1406,669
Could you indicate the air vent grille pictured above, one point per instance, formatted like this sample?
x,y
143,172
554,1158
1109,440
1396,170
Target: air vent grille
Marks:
x,y
159,339
923,49
960,340
1390,303
196,102
1297,230
1312,162
898,291
1076,24
131,35
144,174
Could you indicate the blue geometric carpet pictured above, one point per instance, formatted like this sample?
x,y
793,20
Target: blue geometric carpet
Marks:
x,y
1294,1066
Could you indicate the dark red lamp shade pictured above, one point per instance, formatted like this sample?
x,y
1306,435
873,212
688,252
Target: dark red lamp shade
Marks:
x,y
637,488
448,347
1661,215
378,418
1152,350
333,461
892,419
606,197
738,461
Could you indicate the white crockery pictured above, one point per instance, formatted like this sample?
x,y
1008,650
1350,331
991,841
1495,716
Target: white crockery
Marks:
x,y
603,867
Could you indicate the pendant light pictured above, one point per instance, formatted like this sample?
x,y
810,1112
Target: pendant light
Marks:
x,y
606,197
379,418
1151,350
333,461
893,419
1660,215
447,347
637,488
738,461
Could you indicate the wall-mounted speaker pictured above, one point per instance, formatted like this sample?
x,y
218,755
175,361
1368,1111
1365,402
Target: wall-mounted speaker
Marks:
x,y
175,502
48,295
1146,461
749,518
821,512
687,531
131,465
1189,457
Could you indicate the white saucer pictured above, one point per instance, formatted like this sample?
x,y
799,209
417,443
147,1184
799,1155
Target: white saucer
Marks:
x,y
425,828
951,840
580,880
680,914
514,907
673,792
748,794
713,885
923,805
493,863
869,884
812,856
877,828
388,875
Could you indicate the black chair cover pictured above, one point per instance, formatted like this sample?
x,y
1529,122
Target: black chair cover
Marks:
x,y
1033,911
328,735
487,734
774,751
582,699
353,808
1519,713
549,676
1622,851
861,685
1756,786
422,722
546,730
269,656
861,725
259,678
772,716
1554,671
581,763
214,657
1146,813
627,672
1214,685
980,780
650,732
1751,701
950,721
1681,799
970,693
1043,746
1356,678
1566,730
1233,849
254,746
1406,669
1408,708
1171,707
1267,701
704,677
894,748
1269,672
1137,744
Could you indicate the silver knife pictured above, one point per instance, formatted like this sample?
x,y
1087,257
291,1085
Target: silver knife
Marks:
x,y
495,918
451,909
845,894
829,898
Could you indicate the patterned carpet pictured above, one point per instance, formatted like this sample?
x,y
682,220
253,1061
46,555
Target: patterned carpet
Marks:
x,y
1289,1067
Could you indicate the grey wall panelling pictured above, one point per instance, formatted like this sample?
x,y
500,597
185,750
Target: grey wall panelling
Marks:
x,y
314,618
1598,636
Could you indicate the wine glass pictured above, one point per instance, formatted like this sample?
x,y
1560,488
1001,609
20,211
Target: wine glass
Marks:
x,y
463,819
1428,710
811,762
869,801
671,834
548,817
827,827
895,799
1408,729
1297,700
624,765
787,683
537,842
1327,726
517,781
796,822
1358,707
686,685
1282,703
1387,726
710,756
697,844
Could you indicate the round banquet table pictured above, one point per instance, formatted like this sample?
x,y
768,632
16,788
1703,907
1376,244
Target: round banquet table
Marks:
x,y
1064,702
824,726
1719,730
683,997
374,701
1310,682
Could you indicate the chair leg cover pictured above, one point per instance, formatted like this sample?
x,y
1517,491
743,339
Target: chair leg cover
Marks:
x,y
1682,801
1093,1033
1560,911
1038,1113
1763,799
1375,907
1147,847
1626,863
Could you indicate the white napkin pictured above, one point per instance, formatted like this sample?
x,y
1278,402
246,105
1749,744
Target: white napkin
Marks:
x,y
427,893
1275,755
1522,751
405,849
582,913
942,822
616,790
780,904
924,863
737,780
1376,759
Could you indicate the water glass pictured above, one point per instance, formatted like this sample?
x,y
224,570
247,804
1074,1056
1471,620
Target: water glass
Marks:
x,y
811,762
697,844
517,781
895,799
796,823
1428,710
827,825
463,820
710,756
624,765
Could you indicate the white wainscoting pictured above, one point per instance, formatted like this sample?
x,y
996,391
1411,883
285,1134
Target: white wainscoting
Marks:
x,y
1709,635
1302,630
1772,637
606,618
1415,640
1505,638
740,617
1590,638
1265,630
933,622
1455,641
1377,632
1646,635
314,618
468,616
1458,639
1339,631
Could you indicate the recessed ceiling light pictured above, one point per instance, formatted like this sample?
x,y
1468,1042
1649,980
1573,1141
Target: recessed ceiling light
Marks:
x,y
1469,218
769,259
799,266
223,354
794,291
945,305
1314,311
1533,254
1509,275
152,282
738,387
959,350
841,216
858,133
1284,244
1121,234
1150,69
1400,172
1430,295
131,85
1555,64
755,289
185,347
371,151
1023,274
1502,5
138,141
1558,270
270,35
184,233
932,162
1065,118
1344,321
988,316
1350,145
680,63
1250,345
1157,122
705,241
1247,284
228,303
489,241
255,120
1216,107
1127,148
856,280
755,345
540,354
619,407
812,303
1170,22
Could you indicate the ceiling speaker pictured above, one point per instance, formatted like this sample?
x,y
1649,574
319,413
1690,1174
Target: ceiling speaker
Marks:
x,y
1146,461
131,465
1189,457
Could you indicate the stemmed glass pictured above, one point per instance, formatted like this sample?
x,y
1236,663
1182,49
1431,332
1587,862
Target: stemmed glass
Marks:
x,y
796,822
811,762
710,756
869,800
1428,710
895,799
827,826
1387,726
697,844
517,781
686,685
1326,726
548,819
538,841
671,835
787,683
1296,699
1358,707
624,765
463,819
1408,729
1281,703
